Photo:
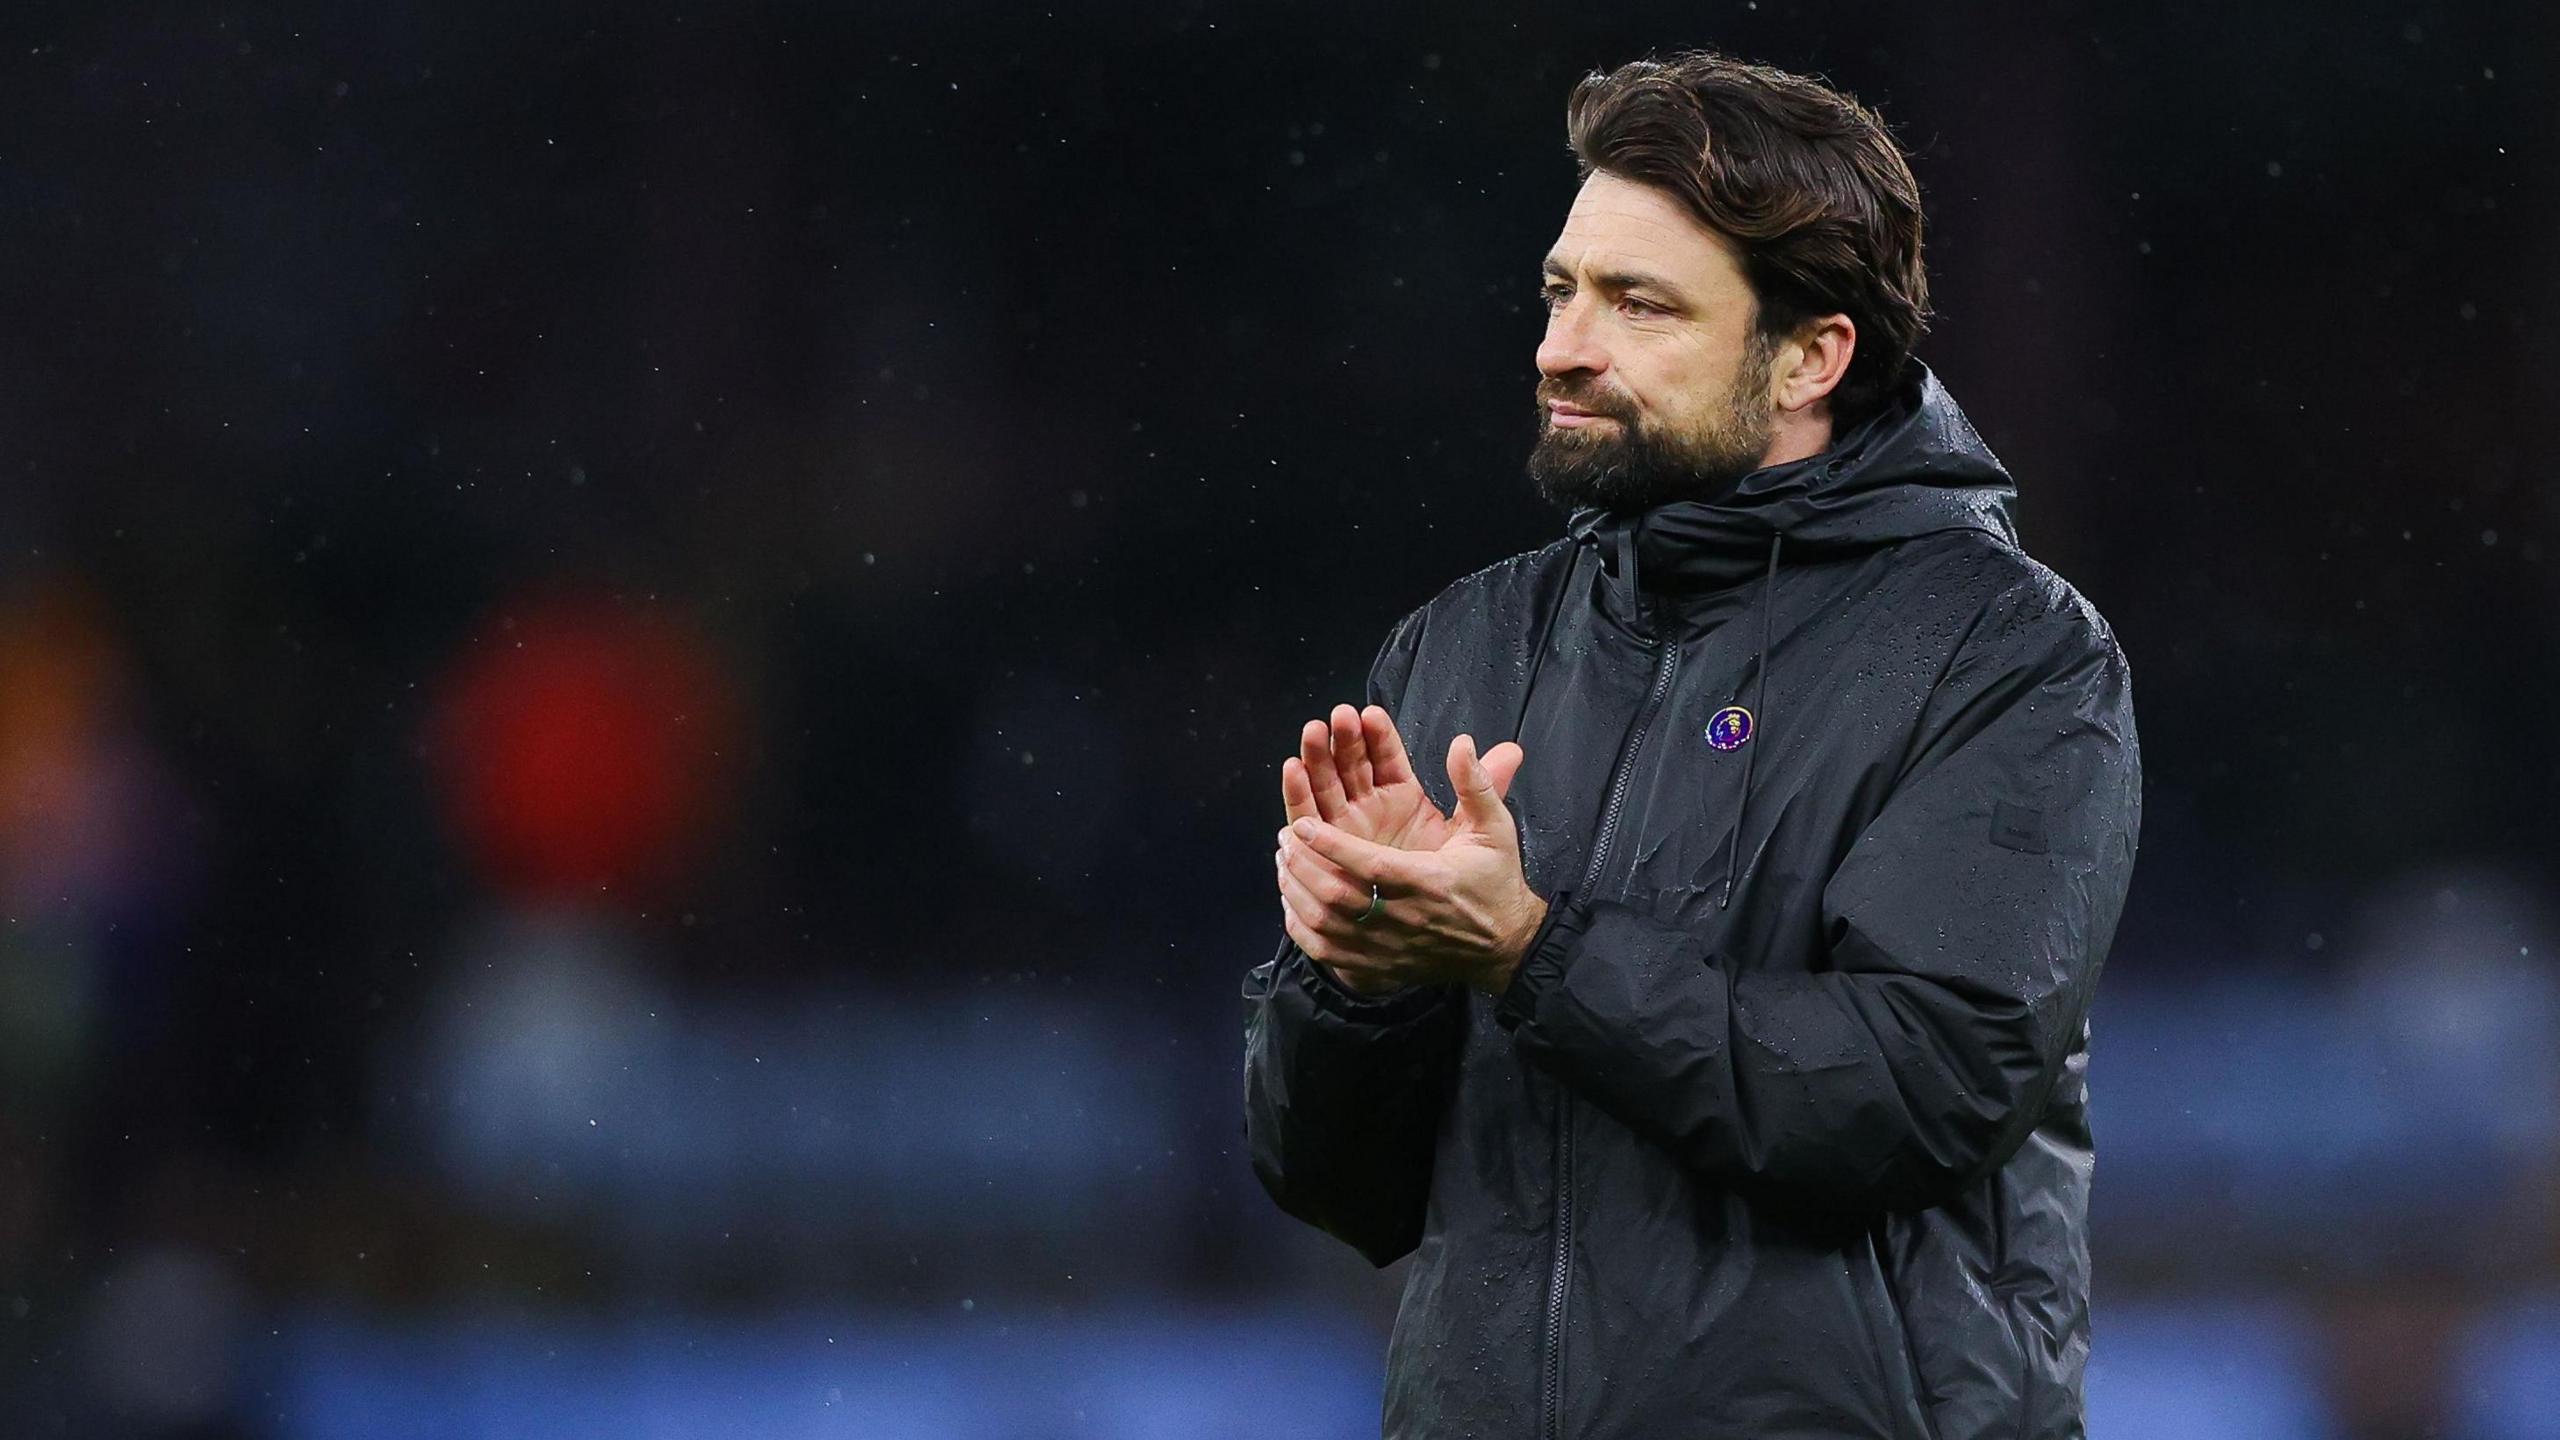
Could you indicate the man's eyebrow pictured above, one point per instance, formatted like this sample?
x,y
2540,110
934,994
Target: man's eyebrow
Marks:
x,y
1615,279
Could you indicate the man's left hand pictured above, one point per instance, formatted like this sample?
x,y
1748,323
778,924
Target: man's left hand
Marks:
x,y
1463,912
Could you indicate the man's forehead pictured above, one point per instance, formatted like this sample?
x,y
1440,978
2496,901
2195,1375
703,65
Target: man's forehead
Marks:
x,y
1619,224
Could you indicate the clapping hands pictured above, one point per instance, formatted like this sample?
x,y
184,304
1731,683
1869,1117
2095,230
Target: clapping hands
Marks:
x,y
1380,886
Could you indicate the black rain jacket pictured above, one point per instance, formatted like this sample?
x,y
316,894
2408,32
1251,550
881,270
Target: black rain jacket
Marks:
x,y
1781,1127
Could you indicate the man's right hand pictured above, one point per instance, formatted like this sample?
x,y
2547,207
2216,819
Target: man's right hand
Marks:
x,y
1353,773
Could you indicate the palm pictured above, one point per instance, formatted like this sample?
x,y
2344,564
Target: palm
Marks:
x,y
1397,813
1352,772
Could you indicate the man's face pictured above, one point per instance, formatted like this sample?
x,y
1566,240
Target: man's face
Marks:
x,y
1653,385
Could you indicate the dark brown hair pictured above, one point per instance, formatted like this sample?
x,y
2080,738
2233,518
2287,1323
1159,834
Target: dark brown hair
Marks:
x,y
1803,179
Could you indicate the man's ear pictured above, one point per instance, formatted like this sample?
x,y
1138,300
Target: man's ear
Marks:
x,y
1812,361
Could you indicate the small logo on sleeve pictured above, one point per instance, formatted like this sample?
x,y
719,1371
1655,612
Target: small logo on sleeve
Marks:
x,y
2018,827
1729,727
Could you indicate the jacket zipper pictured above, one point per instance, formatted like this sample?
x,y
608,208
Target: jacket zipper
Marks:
x,y
1668,660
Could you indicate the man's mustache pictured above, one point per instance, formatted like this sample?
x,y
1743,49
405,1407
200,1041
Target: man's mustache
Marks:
x,y
1597,404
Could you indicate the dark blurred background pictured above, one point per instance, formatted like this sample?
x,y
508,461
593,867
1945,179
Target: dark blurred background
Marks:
x,y
644,651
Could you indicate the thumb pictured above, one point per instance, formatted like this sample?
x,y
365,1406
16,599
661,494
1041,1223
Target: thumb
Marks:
x,y
1479,803
1502,762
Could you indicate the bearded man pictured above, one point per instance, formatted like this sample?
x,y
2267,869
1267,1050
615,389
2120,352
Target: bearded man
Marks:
x,y
1714,1098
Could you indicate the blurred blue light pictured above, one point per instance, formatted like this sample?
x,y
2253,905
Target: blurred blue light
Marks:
x,y
2203,1371
983,1374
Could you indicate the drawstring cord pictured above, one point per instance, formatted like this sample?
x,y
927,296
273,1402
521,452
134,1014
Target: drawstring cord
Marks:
x,y
1628,589
1759,722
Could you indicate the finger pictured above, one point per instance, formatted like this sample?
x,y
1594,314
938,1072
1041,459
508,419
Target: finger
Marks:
x,y
1503,762
1321,878
1479,804
1317,947
1340,954
1350,753
1364,861
1302,903
1388,764
1315,749
1346,966
1297,793
1332,919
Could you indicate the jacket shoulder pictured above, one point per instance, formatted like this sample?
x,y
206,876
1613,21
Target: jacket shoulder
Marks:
x,y
2007,599
1467,614
1514,580
1466,611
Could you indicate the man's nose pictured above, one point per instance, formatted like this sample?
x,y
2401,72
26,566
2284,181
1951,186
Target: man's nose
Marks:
x,y
1569,345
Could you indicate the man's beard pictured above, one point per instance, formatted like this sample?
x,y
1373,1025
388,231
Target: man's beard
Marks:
x,y
1625,467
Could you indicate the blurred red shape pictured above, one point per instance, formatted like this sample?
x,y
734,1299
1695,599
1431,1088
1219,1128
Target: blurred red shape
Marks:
x,y
580,746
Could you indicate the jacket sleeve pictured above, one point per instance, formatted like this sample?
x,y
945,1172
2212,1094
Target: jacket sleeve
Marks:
x,y
1964,930
1343,1092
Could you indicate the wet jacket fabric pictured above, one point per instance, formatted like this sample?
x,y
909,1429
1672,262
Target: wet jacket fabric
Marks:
x,y
1781,1127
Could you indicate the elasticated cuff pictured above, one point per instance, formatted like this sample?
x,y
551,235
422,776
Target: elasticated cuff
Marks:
x,y
1331,995
1543,964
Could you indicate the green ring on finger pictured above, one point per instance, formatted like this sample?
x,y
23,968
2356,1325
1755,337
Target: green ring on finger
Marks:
x,y
1375,905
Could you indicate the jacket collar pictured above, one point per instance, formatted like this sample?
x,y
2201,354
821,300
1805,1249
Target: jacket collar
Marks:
x,y
1915,467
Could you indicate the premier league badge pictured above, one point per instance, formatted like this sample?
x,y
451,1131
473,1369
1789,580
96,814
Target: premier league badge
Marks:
x,y
1729,727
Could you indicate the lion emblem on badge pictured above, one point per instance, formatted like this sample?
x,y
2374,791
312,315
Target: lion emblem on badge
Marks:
x,y
1729,727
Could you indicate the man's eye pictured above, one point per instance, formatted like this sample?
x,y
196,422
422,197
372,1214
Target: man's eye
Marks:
x,y
1642,307
1553,295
